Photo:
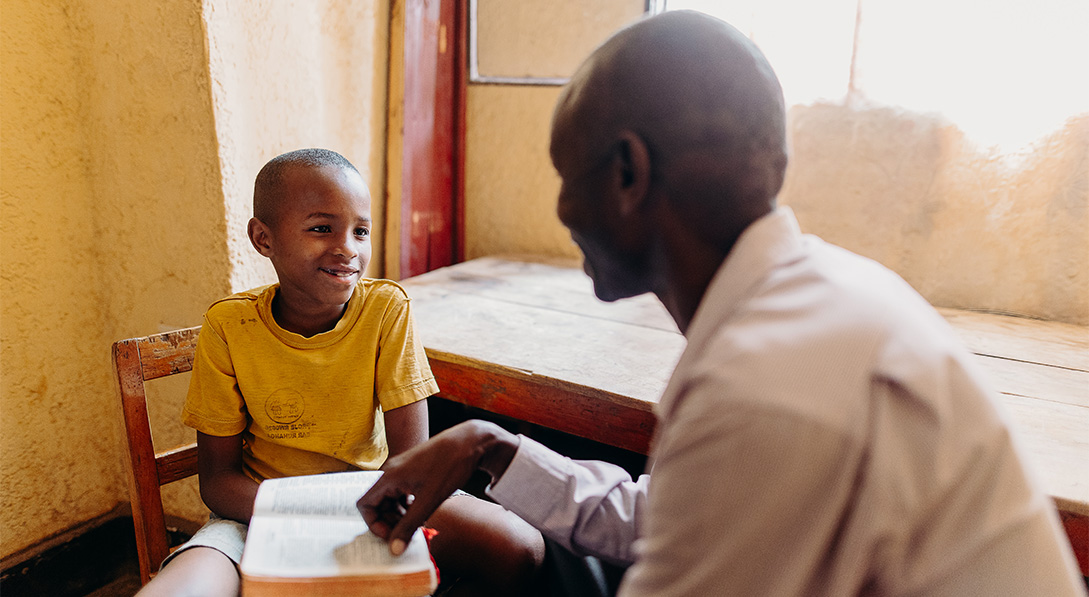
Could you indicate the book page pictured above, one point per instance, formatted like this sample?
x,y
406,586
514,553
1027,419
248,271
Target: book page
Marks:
x,y
331,495
312,548
309,527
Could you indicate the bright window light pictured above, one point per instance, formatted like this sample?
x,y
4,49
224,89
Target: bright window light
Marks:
x,y
1006,72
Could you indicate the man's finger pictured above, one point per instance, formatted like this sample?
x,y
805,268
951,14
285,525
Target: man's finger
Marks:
x,y
413,518
380,528
381,507
383,518
366,510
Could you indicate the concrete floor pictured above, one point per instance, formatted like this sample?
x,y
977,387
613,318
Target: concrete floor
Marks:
x,y
126,586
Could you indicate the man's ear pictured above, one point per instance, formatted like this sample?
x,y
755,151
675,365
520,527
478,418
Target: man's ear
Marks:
x,y
632,174
260,237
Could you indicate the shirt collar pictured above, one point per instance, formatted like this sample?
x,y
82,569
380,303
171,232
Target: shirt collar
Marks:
x,y
771,241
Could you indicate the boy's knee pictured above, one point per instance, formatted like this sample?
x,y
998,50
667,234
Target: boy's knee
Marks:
x,y
521,550
481,540
196,572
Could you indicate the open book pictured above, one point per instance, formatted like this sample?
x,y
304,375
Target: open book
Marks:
x,y
306,537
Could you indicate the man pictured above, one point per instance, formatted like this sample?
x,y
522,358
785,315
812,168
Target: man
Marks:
x,y
823,433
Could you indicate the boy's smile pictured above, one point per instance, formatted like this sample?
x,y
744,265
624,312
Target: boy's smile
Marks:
x,y
319,245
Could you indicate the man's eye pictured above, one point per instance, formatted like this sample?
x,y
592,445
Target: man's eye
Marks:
x,y
320,229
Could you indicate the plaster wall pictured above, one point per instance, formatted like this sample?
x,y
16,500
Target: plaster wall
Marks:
x,y
290,74
112,226
131,133
510,185
966,226
528,38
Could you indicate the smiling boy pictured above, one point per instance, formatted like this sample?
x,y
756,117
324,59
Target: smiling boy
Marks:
x,y
321,372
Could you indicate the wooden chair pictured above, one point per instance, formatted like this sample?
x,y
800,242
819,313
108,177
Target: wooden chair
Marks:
x,y
139,360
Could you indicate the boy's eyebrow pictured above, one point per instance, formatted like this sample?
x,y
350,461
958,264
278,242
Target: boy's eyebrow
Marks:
x,y
320,215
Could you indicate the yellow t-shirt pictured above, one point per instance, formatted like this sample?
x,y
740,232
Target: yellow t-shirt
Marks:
x,y
307,405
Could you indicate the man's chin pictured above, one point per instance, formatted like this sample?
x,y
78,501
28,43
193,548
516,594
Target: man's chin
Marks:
x,y
607,289
604,296
587,268
600,289
609,294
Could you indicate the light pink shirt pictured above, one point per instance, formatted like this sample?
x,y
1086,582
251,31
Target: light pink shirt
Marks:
x,y
824,433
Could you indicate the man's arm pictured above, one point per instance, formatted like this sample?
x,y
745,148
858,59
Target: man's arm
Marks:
x,y
225,489
590,507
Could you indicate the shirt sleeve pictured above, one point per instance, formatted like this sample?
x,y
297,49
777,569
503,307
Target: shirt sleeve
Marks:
x,y
743,502
214,404
402,374
590,507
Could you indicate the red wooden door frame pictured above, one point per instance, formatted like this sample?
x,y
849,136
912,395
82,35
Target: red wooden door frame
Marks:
x,y
433,158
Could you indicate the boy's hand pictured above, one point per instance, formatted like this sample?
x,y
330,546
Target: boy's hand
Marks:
x,y
416,482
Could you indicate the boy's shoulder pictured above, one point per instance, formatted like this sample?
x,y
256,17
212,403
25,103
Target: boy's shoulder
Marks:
x,y
381,288
245,301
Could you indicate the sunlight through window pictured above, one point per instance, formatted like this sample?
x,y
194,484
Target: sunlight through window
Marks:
x,y
1006,72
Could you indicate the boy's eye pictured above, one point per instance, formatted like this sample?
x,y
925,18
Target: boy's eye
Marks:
x,y
362,232
322,228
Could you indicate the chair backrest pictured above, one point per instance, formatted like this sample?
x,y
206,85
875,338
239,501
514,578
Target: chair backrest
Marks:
x,y
139,360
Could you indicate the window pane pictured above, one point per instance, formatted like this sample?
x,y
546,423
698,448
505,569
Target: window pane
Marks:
x,y
808,43
1006,72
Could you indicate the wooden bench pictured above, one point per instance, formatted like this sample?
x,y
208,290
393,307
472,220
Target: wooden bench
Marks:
x,y
529,340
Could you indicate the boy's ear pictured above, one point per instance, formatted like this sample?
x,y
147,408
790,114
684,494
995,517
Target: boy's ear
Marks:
x,y
260,237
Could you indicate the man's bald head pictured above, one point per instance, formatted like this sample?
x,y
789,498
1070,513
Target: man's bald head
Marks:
x,y
702,98
268,187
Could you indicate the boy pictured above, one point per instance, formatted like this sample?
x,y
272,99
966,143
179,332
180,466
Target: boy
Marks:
x,y
320,373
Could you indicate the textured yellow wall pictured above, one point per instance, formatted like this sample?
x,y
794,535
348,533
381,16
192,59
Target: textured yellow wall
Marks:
x,y
530,38
288,74
131,133
967,228
112,225
510,185
47,227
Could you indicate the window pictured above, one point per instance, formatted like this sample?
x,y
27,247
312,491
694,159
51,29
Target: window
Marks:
x,y
1006,72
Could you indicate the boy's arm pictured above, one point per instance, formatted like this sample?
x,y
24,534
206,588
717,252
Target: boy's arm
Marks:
x,y
406,427
225,489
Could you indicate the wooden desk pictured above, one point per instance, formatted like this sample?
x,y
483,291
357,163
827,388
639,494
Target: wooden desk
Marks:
x,y
530,341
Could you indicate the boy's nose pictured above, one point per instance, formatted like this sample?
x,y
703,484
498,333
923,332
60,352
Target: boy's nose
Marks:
x,y
347,247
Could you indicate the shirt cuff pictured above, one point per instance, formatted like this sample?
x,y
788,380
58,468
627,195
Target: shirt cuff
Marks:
x,y
534,482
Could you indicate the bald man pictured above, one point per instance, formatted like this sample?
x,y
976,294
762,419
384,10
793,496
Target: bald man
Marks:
x,y
823,434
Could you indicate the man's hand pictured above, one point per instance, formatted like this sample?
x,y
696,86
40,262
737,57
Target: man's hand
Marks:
x,y
416,482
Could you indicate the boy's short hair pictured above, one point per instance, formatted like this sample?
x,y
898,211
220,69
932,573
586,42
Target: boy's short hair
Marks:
x,y
266,189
